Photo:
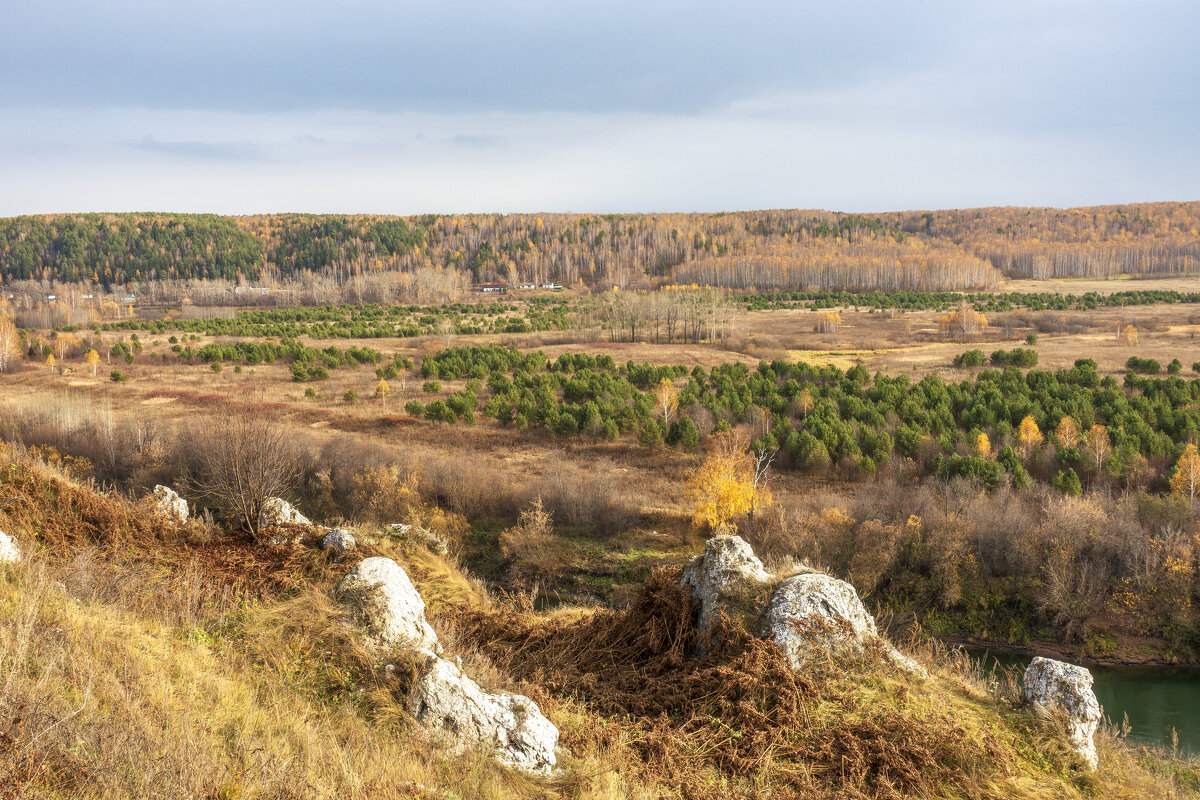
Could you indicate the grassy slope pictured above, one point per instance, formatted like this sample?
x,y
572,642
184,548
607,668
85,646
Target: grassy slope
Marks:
x,y
140,662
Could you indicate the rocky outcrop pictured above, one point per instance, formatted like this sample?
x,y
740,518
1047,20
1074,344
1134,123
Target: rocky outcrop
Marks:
x,y
168,503
808,615
277,511
1060,688
728,578
338,541
813,615
388,605
445,699
9,553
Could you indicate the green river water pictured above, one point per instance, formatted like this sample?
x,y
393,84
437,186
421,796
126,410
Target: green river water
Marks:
x,y
1157,700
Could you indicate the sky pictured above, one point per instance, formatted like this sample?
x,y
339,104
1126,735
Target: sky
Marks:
x,y
404,107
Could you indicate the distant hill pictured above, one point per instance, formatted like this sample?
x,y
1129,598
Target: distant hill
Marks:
x,y
786,249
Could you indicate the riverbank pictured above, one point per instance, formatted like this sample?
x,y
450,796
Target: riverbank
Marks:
x,y
1125,652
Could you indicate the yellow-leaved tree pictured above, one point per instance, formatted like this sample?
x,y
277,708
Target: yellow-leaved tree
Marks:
x,y
1067,432
724,485
50,361
983,446
92,358
382,390
1098,445
666,400
1029,436
9,337
1186,480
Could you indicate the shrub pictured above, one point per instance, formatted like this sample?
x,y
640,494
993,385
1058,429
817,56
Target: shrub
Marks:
x,y
215,366
431,387
1144,366
1017,357
310,392
116,376
350,396
1175,367
971,358
1067,482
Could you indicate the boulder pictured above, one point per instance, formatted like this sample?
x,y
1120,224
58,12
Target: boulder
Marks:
x,y
9,554
168,503
391,608
727,578
276,511
338,540
445,699
814,614
1060,688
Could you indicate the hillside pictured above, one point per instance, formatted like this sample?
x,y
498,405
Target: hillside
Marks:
x,y
141,658
769,250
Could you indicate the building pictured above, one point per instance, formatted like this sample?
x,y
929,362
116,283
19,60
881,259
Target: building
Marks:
x,y
554,287
493,287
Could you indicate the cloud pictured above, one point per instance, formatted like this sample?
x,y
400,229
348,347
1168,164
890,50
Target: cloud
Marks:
x,y
223,151
373,105
477,141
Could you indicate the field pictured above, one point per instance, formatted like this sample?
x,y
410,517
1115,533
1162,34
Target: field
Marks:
x,y
490,471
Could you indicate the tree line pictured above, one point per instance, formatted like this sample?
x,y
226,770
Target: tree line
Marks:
x,y
790,250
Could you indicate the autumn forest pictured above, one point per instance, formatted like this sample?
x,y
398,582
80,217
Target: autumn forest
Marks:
x,y
789,250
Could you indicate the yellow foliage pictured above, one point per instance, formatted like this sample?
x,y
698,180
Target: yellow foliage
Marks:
x,y
1067,432
723,485
1186,480
983,446
666,399
1029,436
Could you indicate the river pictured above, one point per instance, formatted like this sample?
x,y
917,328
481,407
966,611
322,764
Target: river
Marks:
x,y
1157,700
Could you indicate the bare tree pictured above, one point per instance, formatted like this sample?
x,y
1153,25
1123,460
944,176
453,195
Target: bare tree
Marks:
x,y
243,464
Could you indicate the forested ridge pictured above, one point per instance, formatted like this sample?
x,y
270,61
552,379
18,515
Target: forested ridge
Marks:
x,y
785,250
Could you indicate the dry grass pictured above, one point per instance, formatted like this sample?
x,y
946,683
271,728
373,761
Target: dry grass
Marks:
x,y
138,660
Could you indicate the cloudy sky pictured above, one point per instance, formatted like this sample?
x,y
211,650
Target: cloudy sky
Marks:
x,y
404,106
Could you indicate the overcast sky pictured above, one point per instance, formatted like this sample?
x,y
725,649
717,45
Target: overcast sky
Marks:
x,y
395,106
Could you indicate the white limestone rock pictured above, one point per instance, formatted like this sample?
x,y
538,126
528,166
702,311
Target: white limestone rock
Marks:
x,y
727,575
9,553
1058,687
276,511
168,503
338,540
813,615
390,606
446,700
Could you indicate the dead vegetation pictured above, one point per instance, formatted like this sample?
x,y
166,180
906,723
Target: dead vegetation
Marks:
x,y
143,660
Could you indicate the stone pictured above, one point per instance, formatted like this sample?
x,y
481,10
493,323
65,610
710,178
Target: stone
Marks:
x,y
389,605
1060,688
168,503
9,553
276,511
726,578
446,700
338,540
813,615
